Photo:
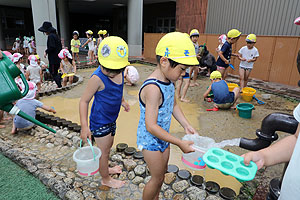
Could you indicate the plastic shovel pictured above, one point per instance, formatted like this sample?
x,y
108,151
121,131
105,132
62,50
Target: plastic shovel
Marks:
x,y
258,101
231,65
213,109
67,75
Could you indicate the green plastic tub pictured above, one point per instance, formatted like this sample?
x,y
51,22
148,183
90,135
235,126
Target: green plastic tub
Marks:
x,y
245,110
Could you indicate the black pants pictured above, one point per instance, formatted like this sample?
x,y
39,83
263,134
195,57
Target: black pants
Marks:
x,y
54,72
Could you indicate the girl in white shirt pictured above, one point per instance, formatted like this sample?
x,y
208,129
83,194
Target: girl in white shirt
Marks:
x,y
90,42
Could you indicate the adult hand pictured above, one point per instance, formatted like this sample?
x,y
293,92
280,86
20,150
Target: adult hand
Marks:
x,y
255,156
185,146
85,133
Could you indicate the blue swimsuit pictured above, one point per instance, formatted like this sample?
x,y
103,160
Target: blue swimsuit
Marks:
x,y
146,140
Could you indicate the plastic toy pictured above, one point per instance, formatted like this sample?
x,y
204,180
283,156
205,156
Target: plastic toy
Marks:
x,y
67,75
258,101
213,109
231,65
230,164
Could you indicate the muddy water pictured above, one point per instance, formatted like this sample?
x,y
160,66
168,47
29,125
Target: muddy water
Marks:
x,y
219,125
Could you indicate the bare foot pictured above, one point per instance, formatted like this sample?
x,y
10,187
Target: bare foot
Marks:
x,y
185,100
192,85
113,183
13,131
196,84
115,170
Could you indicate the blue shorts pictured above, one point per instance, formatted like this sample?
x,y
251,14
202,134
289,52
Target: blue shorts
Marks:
x,y
105,130
186,75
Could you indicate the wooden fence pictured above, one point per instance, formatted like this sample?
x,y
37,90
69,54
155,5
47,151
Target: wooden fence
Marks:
x,y
276,62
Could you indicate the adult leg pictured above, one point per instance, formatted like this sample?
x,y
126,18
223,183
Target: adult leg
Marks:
x,y
54,72
178,87
105,144
247,74
157,163
242,77
185,89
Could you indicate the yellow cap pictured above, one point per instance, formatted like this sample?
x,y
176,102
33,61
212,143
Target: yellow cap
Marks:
x,y
94,39
177,47
233,33
89,32
194,32
104,32
113,53
37,56
251,38
215,75
100,32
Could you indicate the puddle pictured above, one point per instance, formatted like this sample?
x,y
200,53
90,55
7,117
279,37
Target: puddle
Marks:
x,y
221,125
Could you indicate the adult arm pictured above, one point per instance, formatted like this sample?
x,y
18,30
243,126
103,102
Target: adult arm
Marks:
x,y
51,44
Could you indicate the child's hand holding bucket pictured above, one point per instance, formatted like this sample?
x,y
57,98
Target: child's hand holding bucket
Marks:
x,y
85,133
186,146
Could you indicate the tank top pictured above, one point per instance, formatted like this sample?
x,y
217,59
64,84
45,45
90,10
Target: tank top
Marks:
x,y
221,92
68,67
107,102
145,138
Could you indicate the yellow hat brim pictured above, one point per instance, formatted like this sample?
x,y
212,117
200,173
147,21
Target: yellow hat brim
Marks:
x,y
110,64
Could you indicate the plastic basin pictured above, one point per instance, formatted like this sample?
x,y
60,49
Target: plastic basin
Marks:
x,y
248,93
245,110
231,86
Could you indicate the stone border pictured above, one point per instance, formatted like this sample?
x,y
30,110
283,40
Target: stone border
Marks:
x,y
59,90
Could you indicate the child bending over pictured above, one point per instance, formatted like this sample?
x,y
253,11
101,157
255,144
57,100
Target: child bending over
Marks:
x,y
175,52
223,98
67,66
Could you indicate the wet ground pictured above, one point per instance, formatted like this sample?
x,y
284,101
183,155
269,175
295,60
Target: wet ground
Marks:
x,y
219,125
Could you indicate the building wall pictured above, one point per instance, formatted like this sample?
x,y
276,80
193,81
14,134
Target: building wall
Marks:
x,y
276,63
191,14
262,17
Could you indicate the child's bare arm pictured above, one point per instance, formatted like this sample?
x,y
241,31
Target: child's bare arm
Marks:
x,y
241,57
27,75
125,105
222,57
207,92
85,43
179,116
252,60
61,68
49,109
152,99
94,84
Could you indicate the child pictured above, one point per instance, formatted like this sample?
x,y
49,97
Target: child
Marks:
x,y
28,105
44,67
106,85
75,44
222,97
175,53
32,45
194,35
100,38
95,49
226,51
131,75
17,59
222,40
90,42
16,45
25,45
207,61
186,80
34,71
67,66
248,55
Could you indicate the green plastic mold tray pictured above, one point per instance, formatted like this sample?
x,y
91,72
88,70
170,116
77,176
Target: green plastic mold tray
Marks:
x,y
230,164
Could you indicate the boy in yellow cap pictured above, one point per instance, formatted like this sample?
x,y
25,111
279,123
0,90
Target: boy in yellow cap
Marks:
x,y
247,55
223,98
174,53
106,86
226,52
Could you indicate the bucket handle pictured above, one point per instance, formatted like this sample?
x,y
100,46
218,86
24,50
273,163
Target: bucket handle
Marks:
x,y
80,145
25,84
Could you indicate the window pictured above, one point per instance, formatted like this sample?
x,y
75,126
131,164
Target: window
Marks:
x,y
165,25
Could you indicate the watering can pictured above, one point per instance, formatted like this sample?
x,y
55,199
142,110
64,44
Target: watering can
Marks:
x,y
10,92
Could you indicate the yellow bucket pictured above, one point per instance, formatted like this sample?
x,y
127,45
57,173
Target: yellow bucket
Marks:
x,y
248,93
231,86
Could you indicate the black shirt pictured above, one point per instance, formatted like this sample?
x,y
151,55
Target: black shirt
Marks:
x,y
53,48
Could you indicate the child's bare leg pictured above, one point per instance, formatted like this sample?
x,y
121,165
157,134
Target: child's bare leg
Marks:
x,y
77,54
38,86
185,89
90,57
225,73
236,92
71,80
73,55
247,73
157,162
1,117
196,70
190,74
14,129
105,143
242,77
178,87
64,83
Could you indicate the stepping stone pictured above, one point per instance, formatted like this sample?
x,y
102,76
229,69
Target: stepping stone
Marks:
x,y
129,151
227,193
212,187
121,147
172,169
184,174
197,180
138,155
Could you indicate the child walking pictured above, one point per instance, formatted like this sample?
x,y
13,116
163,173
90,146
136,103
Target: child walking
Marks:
x,y
175,53
223,98
106,85
90,42
194,35
25,45
67,66
34,71
16,45
222,40
185,79
75,44
131,75
248,55
28,105
226,51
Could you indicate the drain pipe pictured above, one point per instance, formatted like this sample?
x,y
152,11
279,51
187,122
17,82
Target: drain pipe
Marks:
x,y
267,133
